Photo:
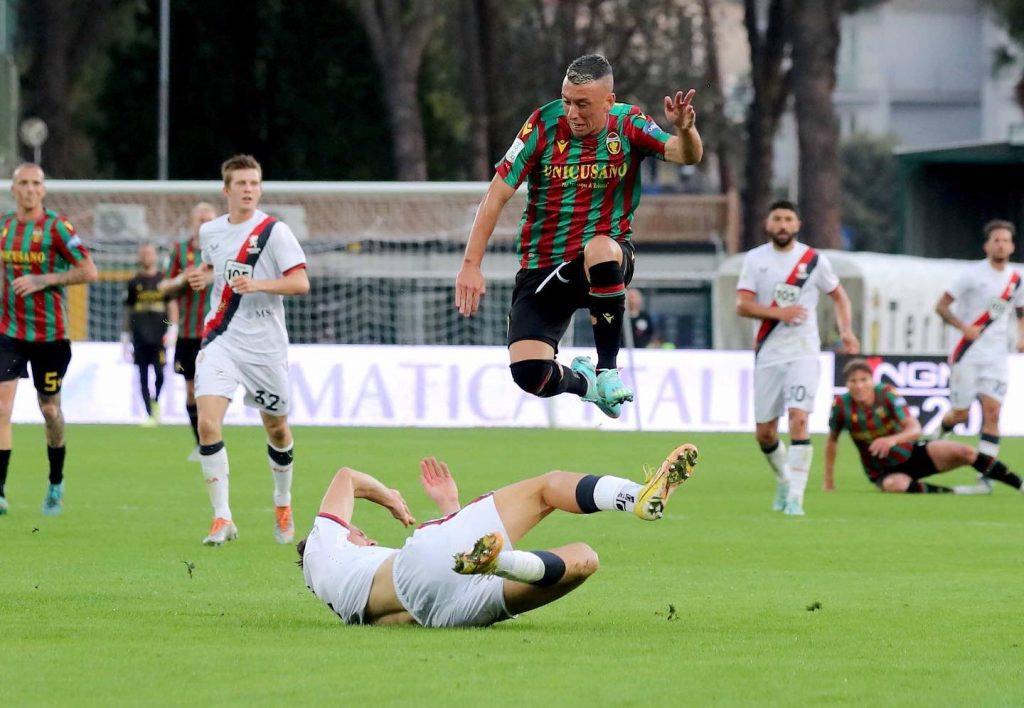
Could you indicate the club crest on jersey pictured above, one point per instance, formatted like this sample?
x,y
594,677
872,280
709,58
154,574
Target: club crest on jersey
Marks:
x,y
37,235
801,270
613,143
562,144
253,248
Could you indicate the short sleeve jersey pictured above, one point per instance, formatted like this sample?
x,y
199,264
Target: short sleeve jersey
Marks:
x,y
884,416
254,328
49,245
577,187
983,295
338,572
783,278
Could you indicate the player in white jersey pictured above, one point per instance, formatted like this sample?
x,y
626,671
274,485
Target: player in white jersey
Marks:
x,y
989,296
429,581
778,288
251,260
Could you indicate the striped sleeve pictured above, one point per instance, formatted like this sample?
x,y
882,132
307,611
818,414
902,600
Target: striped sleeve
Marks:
x,y
644,134
174,262
67,242
524,152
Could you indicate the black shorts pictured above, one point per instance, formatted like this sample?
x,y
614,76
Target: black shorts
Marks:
x,y
147,354
49,362
918,466
545,299
185,353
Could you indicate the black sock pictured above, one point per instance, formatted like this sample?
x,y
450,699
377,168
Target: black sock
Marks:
x,y
554,568
212,449
158,381
144,388
607,305
994,469
193,419
56,455
573,382
916,487
5,461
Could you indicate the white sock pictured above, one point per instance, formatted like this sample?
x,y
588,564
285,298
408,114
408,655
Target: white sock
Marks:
x,y
615,493
779,462
215,470
799,468
282,475
521,566
987,447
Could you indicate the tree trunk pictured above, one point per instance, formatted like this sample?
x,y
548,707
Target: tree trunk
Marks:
x,y
398,33
473,19
726,180
771,90
815,48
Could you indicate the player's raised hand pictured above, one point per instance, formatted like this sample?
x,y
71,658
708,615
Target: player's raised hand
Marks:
x,y
439,484
199,278
243,284
679,109
470,286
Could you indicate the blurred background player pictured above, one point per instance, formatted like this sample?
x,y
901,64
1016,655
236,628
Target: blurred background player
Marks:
x,y
251,260
639,319
886,435
778,288
581,159
40,254
148,311
989,295
193,305
486,581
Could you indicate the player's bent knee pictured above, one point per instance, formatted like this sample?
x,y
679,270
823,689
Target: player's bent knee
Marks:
x,y
541,377
584,561
50,410
895,483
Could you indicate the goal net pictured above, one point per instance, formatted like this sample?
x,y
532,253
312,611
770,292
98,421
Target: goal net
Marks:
x,y
382,257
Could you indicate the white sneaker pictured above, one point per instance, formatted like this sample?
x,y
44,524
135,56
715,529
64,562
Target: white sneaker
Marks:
x,y
781,494
194,455
221,530
972,489
984,481
794,507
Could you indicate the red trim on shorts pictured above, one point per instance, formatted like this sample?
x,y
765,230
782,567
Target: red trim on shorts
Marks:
x,y
335,519
435,522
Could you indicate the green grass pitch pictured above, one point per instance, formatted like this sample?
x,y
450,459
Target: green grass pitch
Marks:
x,y
870,599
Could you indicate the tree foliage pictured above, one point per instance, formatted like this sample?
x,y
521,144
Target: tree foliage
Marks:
x,y
870,204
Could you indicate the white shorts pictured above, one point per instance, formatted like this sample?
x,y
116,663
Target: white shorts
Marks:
x,y
433,593
266,385
968,381
779,387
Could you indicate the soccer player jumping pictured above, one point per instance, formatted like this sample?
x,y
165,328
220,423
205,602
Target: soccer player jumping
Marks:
x,y
580,157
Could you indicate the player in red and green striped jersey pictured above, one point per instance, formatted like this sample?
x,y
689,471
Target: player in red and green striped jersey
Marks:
x,y
886,434
40,254
192,308
580,157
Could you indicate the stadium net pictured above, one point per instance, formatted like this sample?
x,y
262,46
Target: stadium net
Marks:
x,y
382,257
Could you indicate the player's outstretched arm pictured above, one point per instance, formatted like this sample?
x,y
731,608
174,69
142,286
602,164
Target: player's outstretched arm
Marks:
x,y
439,485
831,451
844,320
470,285
175,287
82,271
685,147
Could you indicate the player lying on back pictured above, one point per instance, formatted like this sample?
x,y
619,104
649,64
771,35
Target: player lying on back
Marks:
x,y
430,581
886,434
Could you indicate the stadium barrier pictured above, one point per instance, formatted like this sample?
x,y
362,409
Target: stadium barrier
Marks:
x,y
442,386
